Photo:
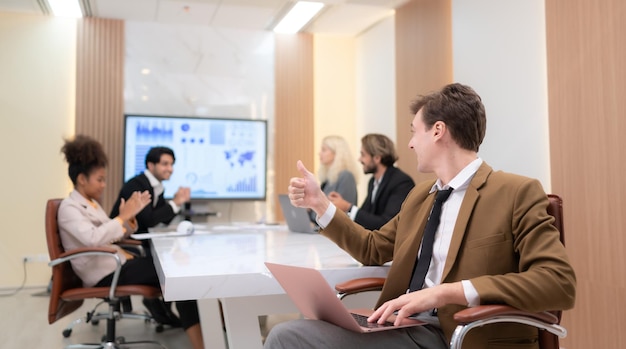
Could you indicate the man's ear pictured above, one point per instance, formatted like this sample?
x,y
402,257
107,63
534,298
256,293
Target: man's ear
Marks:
x,y
439,127
377,159
151,167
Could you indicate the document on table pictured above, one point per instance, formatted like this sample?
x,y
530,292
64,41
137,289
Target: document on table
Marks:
x,y
167,234
249,226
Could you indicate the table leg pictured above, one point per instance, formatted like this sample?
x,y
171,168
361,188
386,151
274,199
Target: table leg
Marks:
x,y
211,323
241,318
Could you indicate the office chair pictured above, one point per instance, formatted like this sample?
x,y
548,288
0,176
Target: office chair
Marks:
x,y
548,323
67,292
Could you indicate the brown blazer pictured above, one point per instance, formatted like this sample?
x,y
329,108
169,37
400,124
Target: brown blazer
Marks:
x,y
503,242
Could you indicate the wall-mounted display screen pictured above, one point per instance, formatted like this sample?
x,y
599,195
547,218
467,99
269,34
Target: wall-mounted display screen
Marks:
x,y
217,158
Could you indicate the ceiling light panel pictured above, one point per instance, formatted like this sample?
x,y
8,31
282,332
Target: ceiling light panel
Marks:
x,y
65,8
298,16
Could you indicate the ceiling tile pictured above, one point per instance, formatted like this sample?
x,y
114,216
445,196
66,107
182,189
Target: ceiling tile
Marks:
x,y
188,12
244,17
20,6
135,10
379,3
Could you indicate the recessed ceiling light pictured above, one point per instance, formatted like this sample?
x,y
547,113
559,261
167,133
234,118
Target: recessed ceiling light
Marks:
x,y
145,71
299,15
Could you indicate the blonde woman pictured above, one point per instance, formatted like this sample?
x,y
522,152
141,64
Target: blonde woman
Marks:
x,y
338,169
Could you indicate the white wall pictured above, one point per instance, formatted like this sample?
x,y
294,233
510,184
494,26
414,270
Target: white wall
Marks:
x,y
355,88
334,91
500,50
37,90
204,71
376,86
376,80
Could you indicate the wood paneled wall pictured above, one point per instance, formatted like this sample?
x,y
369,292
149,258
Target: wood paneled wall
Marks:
x,y
423,64
294,108
100,93
586,49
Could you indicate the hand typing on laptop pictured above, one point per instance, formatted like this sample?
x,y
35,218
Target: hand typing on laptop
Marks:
x,y
419,301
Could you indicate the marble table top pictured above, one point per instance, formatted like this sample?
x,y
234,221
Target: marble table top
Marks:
x,y
228,261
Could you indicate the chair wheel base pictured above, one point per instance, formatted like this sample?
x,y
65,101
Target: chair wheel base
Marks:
x,y
118,340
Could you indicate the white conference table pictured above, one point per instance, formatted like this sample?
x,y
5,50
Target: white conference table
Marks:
x,y
224,265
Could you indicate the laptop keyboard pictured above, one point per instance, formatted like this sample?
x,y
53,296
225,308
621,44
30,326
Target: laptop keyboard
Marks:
x,y
362,321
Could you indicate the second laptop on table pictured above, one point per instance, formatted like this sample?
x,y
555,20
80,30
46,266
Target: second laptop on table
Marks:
x,y
297,218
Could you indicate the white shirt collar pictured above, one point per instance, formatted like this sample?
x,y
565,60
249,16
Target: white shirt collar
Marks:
x,y
156,184
462,179
379,180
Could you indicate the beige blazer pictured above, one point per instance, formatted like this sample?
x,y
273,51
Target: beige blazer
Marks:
x,y
503,242
82,225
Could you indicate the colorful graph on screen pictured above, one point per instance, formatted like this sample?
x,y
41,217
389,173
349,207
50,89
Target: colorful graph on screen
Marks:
x,y
216,158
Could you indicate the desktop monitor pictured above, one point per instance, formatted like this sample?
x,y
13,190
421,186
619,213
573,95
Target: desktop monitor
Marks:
x,y
218,158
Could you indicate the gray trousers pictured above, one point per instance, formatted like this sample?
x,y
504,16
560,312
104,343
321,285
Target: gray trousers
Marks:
x,y
315,334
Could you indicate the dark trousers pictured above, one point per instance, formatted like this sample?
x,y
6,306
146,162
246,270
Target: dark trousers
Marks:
x,y
141,271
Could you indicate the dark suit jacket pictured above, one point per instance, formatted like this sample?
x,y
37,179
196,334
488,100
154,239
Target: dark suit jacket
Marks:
x,y
150,215
390,195
503,242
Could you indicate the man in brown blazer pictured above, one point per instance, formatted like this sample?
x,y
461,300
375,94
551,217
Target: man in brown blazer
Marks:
x,y
495,243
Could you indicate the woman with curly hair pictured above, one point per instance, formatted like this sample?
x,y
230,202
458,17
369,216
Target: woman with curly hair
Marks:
x,y
83,223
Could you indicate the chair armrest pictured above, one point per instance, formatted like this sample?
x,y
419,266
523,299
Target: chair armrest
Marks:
x,y
130,242
67,255
359,285
93,251
482,315
489,311
134,245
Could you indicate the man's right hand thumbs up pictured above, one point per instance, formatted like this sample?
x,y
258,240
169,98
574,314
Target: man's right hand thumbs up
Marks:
x,y
305,191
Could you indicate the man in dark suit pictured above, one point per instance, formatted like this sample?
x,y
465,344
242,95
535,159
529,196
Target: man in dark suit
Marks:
x,y
159,167
387,188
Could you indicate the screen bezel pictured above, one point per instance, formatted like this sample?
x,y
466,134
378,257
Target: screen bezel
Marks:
x,y
168,195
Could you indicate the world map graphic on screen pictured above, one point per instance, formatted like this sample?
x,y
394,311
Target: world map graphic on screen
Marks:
x,y
216,158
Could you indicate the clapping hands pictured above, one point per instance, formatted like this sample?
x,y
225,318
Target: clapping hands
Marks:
x,y
134,204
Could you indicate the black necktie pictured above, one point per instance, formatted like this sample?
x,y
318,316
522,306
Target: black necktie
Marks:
x,y
421,267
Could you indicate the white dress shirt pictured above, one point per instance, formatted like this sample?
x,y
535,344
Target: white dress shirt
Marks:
x,y
443,235
158,189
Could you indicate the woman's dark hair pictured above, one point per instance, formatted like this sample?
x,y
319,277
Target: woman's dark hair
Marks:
x,y
460,108
83,154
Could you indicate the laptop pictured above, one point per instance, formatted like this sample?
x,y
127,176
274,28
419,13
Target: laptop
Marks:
x,y
297,218
316,300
